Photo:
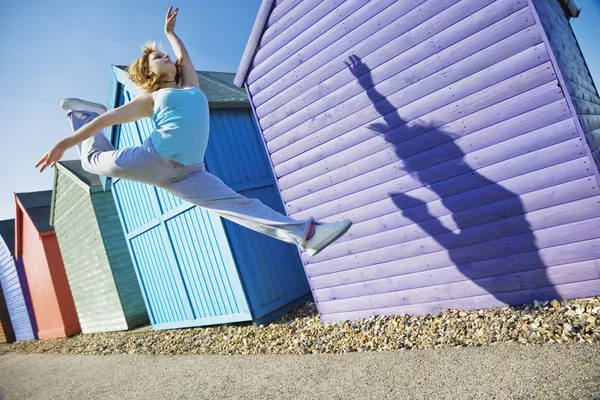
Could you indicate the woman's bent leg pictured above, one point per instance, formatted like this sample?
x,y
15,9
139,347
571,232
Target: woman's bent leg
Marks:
x,y
98,156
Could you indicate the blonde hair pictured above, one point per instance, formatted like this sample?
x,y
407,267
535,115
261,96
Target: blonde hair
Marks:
x,y
139,71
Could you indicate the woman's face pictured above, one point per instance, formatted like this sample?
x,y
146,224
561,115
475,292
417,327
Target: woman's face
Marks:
x,y
160,63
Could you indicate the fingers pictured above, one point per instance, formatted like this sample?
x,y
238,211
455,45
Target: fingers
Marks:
x,y
42,160
47,161
354,59
47,164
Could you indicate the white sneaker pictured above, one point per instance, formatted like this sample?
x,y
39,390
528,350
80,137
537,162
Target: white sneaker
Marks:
x,y
326,233
73,104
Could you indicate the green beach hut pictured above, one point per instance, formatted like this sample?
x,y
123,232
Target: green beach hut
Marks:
x,y
97,261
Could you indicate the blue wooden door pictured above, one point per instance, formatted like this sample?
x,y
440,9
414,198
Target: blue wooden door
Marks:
x,y
271,270
180,252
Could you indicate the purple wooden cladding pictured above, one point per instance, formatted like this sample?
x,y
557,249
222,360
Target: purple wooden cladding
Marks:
x,y
575,73
440,128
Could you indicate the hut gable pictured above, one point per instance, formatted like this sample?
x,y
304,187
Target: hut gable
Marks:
x,y
7,234
219,89
36,205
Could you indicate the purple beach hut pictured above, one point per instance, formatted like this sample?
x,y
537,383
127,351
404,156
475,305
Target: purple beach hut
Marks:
x,y
462,137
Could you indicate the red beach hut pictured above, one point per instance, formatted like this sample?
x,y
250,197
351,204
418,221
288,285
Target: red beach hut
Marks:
x,y
37,247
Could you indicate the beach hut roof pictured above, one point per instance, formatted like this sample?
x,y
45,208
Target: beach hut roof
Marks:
x,y
219,88
7,232
37,206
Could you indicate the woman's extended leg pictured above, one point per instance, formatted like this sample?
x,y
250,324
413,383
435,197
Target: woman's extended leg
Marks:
x,y
208,191
195,185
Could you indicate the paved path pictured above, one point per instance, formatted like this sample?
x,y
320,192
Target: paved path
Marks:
x,y
497,372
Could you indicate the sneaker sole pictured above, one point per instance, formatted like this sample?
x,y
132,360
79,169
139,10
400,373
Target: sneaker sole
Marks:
x,y
330,240
86,105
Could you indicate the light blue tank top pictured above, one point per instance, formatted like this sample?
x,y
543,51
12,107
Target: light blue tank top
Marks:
x,y
181,124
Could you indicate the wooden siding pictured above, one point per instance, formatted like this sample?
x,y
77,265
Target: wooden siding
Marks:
x,y
181,256
440,128
16,294
119,259
195,267
7,334
271,270
575,72
51,298
91,279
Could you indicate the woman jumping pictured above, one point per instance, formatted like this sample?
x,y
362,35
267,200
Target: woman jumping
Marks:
x,y
172,157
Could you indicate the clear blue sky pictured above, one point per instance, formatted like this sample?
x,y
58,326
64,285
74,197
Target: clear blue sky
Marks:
x,y
53,49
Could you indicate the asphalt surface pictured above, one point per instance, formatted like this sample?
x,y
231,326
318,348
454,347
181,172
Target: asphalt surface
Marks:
x,y
507,371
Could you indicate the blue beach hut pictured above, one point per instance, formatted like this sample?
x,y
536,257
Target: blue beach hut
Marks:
x,y
14,285
195,268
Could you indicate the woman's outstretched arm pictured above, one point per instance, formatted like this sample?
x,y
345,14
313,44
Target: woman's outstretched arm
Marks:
x,y
138,108
189,72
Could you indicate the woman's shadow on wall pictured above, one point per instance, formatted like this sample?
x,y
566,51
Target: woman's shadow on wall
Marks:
x,y
511,280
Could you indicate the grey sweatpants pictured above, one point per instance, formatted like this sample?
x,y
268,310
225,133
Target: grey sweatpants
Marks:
x,y
191,183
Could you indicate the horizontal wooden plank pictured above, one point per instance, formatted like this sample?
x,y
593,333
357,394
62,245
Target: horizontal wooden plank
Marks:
x,y
419,275
573,76
495,285
317,22
279,18
383,231
593,139
548,237
437,146
590,122
10,282
580,78
267,85
537,275
579,289
375,44
596,157
430,237
419,80
376,153
450,178
384,78
581,93
584,107
531,221
323,40
360,132
313,100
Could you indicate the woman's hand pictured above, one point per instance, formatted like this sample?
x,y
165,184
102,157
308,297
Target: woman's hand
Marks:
x,y
170,20
53,156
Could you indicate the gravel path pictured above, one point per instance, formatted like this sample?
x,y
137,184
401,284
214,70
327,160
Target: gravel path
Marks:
x,y
502,371
301,332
